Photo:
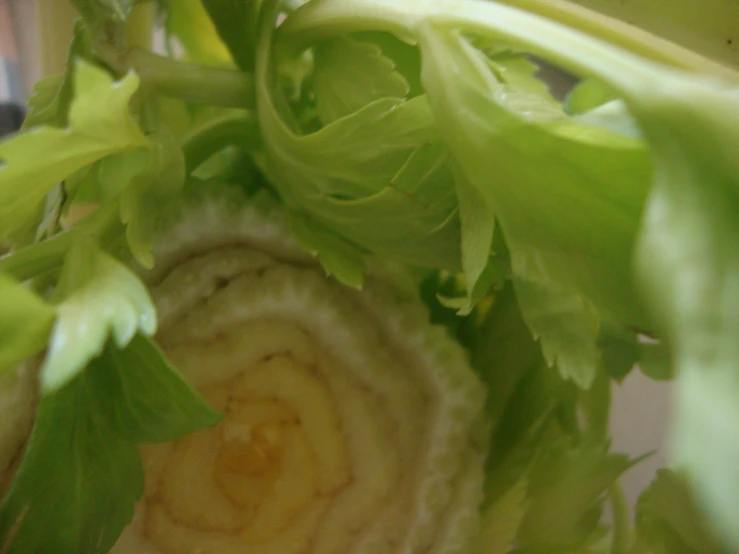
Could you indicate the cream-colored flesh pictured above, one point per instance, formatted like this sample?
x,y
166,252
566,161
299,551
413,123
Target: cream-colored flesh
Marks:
x,y
346,429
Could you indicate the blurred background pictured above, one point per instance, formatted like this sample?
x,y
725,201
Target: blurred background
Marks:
x,y
640,406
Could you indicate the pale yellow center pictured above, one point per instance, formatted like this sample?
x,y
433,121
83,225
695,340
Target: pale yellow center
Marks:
x,y
254,446
277,456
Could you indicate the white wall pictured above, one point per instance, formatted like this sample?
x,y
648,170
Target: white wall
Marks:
x,y
641,411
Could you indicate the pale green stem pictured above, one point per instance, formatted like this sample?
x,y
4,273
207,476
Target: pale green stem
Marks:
x,y
139,30
588,42
621,520
209,139
37,259
211,86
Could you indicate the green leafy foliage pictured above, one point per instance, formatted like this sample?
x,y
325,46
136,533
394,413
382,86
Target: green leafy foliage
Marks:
x,y
78,481
53,95
350,74
52,213
218,134
501,522
378,177
564,269
538,411
99,297
148,400
338,257
620,351
547,475
567,323
188,21
25,322
586,96
594,405
655,362
477,229
437,289
405,57
416,132
528,405
236,23
689,267
139,182
669,520
504,352
566,494
35,161
44,259
148,191
105,180
81,474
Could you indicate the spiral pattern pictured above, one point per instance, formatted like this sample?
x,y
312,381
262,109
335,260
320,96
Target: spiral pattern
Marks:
x,y
348,417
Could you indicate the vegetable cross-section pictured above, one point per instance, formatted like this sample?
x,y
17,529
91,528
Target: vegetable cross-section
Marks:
x,y
349,419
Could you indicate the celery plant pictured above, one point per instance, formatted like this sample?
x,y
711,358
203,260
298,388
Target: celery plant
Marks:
x,y
358,282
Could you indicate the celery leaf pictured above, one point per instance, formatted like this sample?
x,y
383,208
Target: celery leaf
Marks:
x,y
379,177
349,74
36,160
572,274
567,488
143,197
25,322
669,519
82,465
188,21
53,95
236,23
587,95
78,482
338,258
99,297
501,522
148,400
104,181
